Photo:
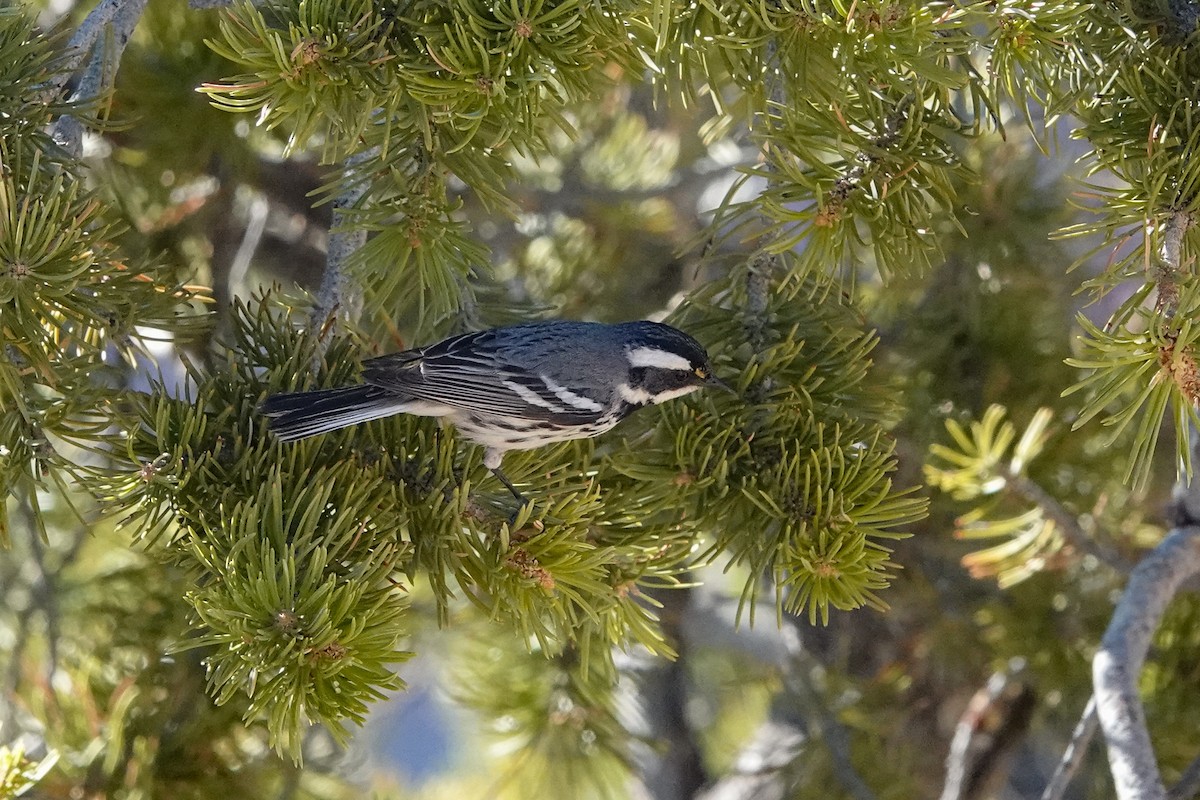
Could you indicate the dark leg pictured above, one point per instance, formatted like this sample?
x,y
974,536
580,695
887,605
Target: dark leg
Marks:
x,y
500,476
491,460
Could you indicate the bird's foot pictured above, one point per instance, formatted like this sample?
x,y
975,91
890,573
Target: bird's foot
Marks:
x,y
522,500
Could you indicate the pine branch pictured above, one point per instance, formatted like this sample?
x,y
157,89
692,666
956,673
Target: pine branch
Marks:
x,y
849,183
1180,366
115,18
1177,19
1152,585
1185,16
763,266
1072,757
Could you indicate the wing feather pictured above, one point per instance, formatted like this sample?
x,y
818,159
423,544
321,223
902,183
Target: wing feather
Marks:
x,y
472,373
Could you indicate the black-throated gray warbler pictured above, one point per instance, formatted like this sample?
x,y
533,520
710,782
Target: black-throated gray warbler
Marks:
x,y
513,388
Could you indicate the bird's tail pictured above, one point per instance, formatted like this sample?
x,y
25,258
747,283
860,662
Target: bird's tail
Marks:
x,y
302,414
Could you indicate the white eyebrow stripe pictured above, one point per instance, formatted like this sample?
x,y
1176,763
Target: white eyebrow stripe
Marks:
x,y
577,401
659,359
530,396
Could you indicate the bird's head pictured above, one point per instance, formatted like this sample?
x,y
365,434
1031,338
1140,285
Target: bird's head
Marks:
x,y
664,363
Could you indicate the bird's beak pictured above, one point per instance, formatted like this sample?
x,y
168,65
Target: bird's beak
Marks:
x,y
717,383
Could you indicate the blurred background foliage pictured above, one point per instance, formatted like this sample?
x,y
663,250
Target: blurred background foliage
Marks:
x,y
903,230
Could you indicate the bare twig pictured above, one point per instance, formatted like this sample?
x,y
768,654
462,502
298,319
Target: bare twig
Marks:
x,y
769,766
994,722
104,33
1072,757
760,770
1118,663
1189,783
84,39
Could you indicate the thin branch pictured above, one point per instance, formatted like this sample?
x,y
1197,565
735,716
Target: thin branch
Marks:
x,y
833,734
1072,757
994,722
1177,226
776,94
1180,365
1118,663
339,293
256,223
104,33
1068,523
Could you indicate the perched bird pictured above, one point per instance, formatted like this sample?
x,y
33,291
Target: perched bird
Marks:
x,y
512,388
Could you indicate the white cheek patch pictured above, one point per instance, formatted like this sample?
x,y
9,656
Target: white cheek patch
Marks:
x,y
671,394
658,359
641,397
637,397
